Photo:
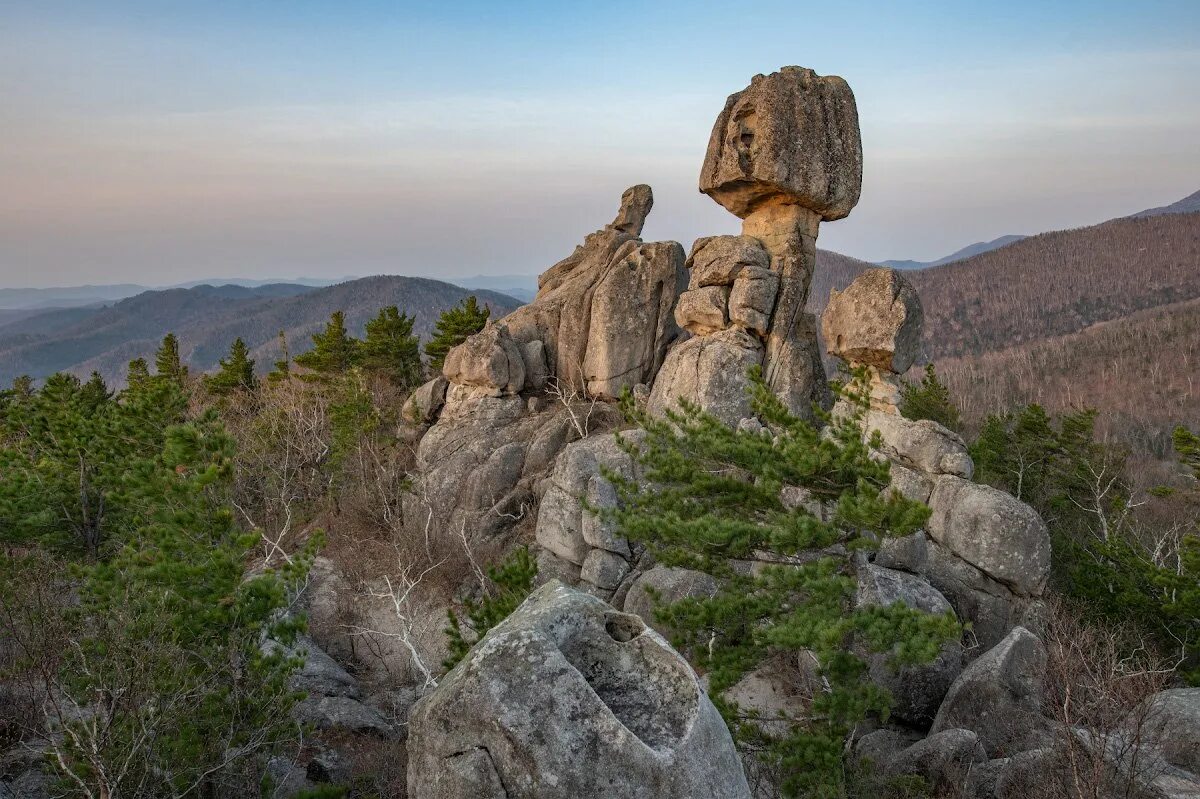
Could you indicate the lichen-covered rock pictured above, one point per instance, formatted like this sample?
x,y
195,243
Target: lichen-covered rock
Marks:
x,y
570,698
718,260
753,298
916,691
992,530
790,135
710,371
703,311
670,584
1173,719
999,696
876,321
489,361
922,444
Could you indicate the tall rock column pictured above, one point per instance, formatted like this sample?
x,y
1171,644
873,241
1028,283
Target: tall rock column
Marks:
x,y
785,155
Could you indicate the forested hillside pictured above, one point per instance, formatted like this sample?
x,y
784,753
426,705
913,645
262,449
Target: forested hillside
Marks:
x,y
1100,316
207,318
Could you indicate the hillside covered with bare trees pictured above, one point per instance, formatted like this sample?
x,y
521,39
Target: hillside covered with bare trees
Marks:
x,y
1104,316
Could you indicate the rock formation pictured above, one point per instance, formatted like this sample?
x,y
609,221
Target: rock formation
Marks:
x,y
570,698
987,552
784,155
876,324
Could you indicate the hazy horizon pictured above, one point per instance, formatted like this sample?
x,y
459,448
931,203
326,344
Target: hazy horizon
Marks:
x,y
157,143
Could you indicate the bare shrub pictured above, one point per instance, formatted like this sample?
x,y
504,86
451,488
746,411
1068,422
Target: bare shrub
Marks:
x,y
1098,679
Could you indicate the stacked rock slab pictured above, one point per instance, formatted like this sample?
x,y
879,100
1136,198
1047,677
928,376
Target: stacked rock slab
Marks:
x,y
570,698
784,155
987,552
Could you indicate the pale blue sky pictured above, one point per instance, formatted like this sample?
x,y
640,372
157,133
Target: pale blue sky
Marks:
x,y
164,141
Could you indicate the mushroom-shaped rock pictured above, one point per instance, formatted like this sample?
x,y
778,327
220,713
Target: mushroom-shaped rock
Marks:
x,y
876,321
993,531
569,698
791,136
489,360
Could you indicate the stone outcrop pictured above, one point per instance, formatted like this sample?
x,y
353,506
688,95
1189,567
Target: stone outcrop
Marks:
x,y
876,324
579,546
784,154
605,314
569,698
999,696
993,531
876,321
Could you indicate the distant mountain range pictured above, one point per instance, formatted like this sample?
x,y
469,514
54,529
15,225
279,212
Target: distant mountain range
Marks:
x,y
79,296
966,252
208,318
1188,205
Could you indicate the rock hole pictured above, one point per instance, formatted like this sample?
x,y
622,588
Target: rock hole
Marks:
x,y
624,628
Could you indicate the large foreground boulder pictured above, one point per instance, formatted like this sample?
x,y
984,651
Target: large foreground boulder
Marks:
x,y
570,698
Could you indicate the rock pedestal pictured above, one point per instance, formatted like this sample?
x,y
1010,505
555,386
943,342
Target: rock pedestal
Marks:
x,y
784,155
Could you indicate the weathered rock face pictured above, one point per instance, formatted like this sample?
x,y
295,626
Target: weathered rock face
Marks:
x,y
792,134
876,321
424,404
991,607
605,313
944,759
921,445
992,530
999,696
569,698
489,361
579,546
711,372
1174,722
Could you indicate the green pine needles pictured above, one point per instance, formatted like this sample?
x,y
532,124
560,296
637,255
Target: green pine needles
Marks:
x,y
453,327
710,499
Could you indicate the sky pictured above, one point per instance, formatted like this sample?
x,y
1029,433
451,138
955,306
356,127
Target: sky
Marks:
x,y
157,142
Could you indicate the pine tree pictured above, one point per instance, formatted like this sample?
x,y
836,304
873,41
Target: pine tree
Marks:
x,y
513,580
236,372
137,373
390,348
174,634
167,363
711,496
930,399
334,350
453,327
